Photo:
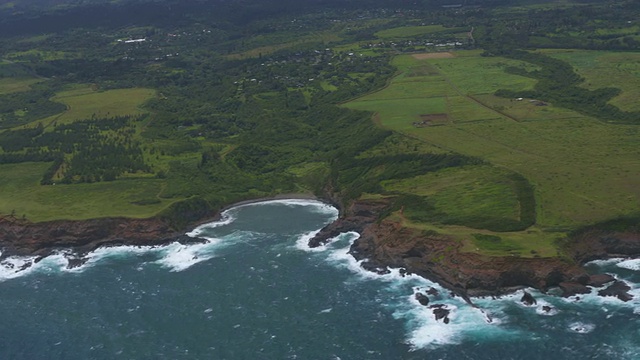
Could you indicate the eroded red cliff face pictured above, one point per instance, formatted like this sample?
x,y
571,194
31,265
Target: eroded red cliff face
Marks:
x,y
24,238
385,243
382,244
439,258
595,244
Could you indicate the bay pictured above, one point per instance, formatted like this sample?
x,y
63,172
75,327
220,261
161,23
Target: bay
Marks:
x,y
256,291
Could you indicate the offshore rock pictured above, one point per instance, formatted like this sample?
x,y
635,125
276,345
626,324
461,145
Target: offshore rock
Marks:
x,y
422,299
618,289
75,262
570,288
599,280
441,312
528,299
375,268
384,244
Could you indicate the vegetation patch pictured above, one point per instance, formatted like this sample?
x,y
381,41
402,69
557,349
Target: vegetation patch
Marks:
x,y
438,55
11,85
571,188
87,102
502,145
478,196
494,243
432,120
601,69
412,31
23,195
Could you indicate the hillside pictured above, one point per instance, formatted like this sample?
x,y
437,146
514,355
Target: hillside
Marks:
x,y
505,130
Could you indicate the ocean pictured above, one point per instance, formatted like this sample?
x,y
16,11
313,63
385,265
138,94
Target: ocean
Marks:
x,y
256,291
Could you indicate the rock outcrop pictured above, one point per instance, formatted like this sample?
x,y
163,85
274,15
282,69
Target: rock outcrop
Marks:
x,y
355,218
24,238
383,244
422,299
387,244
528,299
618,289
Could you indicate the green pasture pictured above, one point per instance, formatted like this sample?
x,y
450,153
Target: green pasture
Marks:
x,y
583,170
22,194
464,192
470,73
413,31
630,30
398,144
35,39
40,55
525,109
607,69
11,85
533,242
85,102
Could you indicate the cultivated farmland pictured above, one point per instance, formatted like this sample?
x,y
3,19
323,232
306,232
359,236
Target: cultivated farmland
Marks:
x,y
583,170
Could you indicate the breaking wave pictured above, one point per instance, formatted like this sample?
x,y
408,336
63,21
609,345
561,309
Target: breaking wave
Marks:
x,y
492,319
173,256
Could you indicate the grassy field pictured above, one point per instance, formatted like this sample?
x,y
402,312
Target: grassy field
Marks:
x,y
40,55
464,192
527,244
22,194
11,85
583,170
413,31
84,102
135,195
607,69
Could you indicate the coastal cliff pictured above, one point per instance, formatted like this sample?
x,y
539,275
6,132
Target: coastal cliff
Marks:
x,y
382,244
387,244
19,237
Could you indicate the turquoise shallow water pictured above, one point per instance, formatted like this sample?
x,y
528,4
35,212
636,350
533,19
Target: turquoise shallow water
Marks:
x,y
255,291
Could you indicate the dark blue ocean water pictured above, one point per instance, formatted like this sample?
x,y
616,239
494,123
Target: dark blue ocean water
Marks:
x,y
255,291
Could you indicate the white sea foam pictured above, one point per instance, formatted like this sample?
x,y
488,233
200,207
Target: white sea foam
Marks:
x,y
225,220
316,205
631,264
605,262
606,303
423,329
179,257
302,243
16,266
465,322
550,311
174,256
581,328
228,217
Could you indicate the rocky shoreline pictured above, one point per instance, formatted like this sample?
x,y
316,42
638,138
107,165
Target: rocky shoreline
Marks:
x,y
20,237
383,244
